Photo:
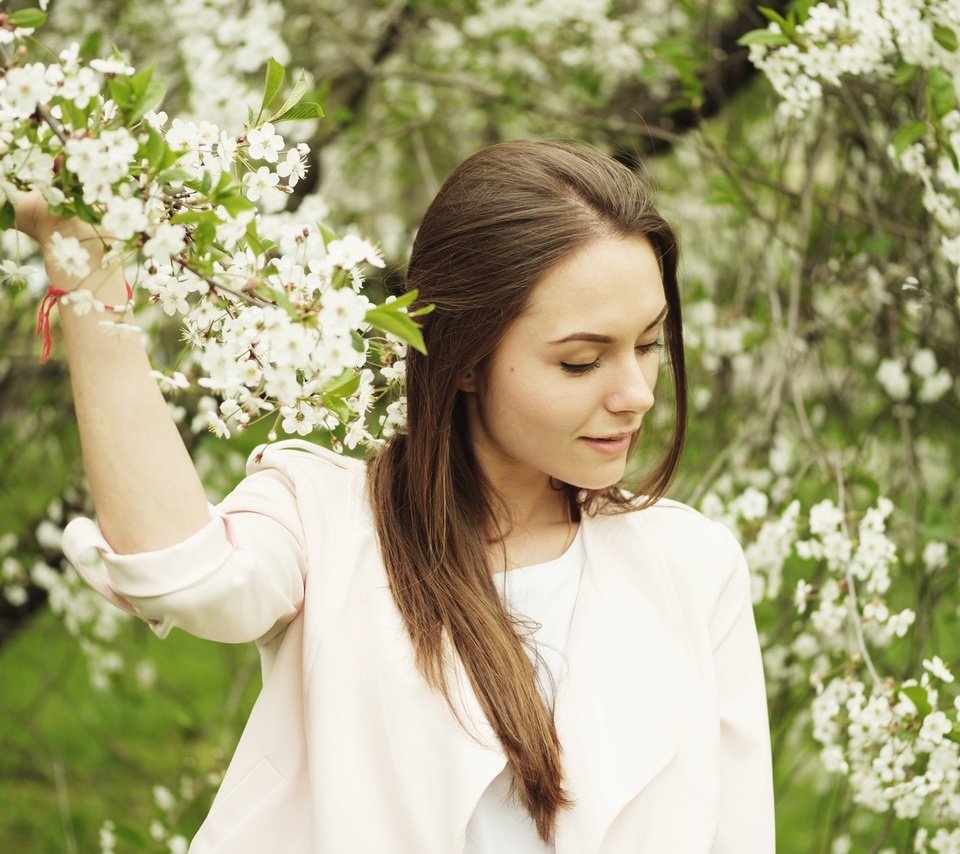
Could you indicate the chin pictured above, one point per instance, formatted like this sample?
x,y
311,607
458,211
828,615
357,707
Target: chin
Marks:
x,y
596,480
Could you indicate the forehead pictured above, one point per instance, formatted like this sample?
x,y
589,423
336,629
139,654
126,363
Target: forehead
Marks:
x,y
611,285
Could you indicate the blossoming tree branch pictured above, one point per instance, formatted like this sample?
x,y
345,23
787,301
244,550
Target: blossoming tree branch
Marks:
x,y
278,328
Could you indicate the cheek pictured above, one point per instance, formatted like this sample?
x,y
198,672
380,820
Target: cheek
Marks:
x,y
534,406
651,372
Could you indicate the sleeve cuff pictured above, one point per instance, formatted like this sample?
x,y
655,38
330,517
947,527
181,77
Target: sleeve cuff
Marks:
x,y
146,574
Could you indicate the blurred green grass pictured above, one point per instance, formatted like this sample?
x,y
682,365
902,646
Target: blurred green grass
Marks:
x,y
73,757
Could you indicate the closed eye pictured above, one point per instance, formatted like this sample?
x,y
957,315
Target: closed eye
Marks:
x,y
581,368
652,347
577,369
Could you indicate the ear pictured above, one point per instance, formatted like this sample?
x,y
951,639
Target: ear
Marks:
x,y
468,382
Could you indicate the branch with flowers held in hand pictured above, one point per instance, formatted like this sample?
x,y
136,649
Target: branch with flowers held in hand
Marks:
x,y
279,324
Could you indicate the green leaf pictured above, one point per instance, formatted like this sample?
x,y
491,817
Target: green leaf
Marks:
x,y
121,90
27,18
775,17
7,216
141,78
273,80
904,74
404,299
801,8
880,244
941,92
85,212
947,148
154,148
907,136
151,98
253,239
328,234
945,37
344,385
205,233
337,407
222,184
385,318
90,47
724,190
305,110
918,696
236,204
294,97
171,176
195,216
764,37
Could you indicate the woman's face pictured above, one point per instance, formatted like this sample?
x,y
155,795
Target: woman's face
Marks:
x,y
569,384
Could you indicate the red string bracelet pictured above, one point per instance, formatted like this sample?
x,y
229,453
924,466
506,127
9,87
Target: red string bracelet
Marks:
x,y
50,299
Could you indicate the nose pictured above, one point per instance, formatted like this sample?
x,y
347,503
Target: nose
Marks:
x,y
632,390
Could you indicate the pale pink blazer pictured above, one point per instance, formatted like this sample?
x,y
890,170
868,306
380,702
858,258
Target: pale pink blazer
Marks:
x,y
662,712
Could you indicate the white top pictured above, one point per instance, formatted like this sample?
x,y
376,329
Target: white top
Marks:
x,y
544,593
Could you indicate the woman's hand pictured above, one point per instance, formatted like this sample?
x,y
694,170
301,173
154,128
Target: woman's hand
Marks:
x,y
32,217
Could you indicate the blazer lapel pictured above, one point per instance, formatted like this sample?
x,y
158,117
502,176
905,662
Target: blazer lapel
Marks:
x,y
613,710
444,767
614,714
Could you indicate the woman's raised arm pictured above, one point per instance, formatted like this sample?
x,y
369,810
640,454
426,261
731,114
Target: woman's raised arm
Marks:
x,y
145,489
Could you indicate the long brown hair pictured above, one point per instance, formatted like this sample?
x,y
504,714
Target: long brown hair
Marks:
x,y
501,220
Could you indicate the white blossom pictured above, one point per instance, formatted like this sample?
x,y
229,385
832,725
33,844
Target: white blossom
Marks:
x,y
892,376
265,143
936,666
935,555
257,183
69,256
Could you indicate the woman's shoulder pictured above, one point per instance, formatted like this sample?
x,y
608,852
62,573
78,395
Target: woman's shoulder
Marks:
x,y
702,557
683,534
298,459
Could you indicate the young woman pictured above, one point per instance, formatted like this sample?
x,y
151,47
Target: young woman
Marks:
x,y
475,642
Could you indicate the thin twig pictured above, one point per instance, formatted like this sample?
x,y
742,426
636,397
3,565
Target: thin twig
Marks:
x,y
851,584
44,114
757,177
253,299
63,802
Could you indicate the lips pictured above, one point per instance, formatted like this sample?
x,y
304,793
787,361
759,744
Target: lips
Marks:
x,y
616,444
616,437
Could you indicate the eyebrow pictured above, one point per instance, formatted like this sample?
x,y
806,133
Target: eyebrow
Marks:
x,y
594,338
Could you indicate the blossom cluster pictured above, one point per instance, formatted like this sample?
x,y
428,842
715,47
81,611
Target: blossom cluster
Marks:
x,y
274,313
855,567
899,746
224,43
930,380
889,41
553,43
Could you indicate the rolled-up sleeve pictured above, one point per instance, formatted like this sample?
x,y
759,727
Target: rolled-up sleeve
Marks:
x,y
746,775
239,578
